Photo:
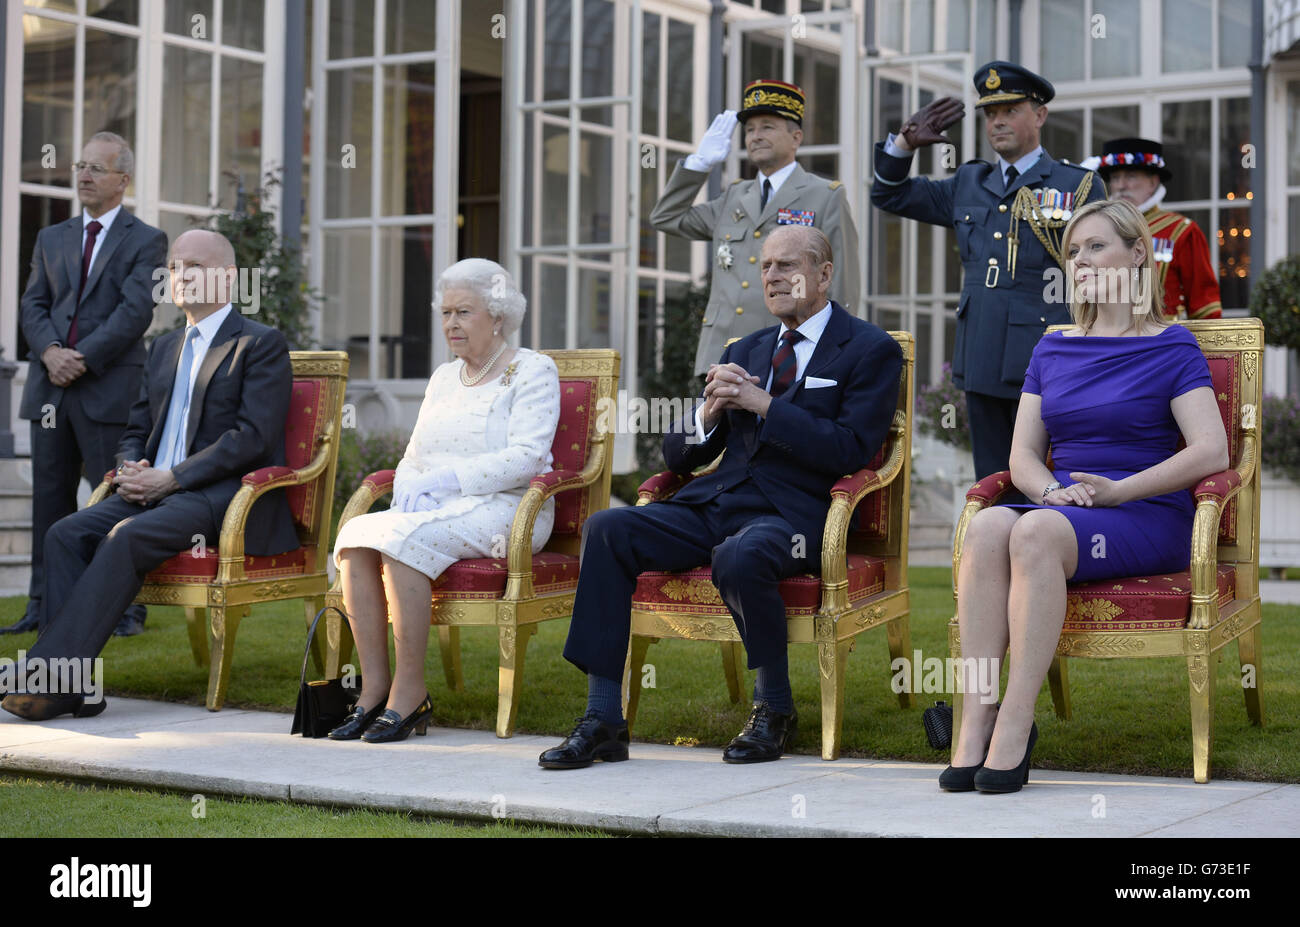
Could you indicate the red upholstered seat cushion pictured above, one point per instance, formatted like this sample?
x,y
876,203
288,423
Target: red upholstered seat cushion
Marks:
x,y
871,518
301,429
485,577
1227,392
187,568
1138,603
569,451
693,590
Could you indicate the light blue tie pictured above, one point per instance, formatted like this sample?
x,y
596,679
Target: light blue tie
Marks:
x,y
173,439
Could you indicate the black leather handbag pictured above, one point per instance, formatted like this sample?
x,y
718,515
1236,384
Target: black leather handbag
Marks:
x,y
938,725
322,703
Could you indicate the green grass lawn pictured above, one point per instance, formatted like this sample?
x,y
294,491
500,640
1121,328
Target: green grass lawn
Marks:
x,y
51,808
1130,716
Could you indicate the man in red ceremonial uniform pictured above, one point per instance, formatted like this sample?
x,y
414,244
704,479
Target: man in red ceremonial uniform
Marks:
x,y
1134,170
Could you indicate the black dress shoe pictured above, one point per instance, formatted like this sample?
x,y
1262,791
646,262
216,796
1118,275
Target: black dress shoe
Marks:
x,y
764,736
1008,780
357,722
390,726
45,707
962,778
132,623
592,739
30,621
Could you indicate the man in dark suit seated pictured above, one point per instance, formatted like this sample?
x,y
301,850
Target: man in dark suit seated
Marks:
x,y
796,407
212,407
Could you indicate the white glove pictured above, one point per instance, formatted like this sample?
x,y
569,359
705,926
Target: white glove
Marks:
x,y
424,492
716,144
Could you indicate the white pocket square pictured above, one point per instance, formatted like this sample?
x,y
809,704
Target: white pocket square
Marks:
x,y
818,383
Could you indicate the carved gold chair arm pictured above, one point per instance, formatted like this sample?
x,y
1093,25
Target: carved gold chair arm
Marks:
x,y
846,495
102,490
1212,494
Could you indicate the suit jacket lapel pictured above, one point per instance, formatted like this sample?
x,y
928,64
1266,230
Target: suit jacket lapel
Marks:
x,y
221,346
749,200
836,333
789,192
759,364
117,232
70,246
170,355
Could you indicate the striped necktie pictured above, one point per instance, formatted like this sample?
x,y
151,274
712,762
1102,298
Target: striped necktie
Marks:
x,y
784,364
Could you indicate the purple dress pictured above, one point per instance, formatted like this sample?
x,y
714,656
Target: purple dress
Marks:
x,y
1105,404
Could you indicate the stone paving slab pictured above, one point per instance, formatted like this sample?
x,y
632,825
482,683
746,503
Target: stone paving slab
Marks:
x,y
662,790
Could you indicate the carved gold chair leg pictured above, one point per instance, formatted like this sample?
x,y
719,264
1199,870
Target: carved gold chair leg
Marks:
x,y
833,658
224,622
319,646
733,661
449,646
899,632
1058,677
1251,655
954,650
1200,677
635,665
510,677
196,622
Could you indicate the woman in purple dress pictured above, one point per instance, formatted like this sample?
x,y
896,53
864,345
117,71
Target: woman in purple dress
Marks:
x,y
1111,398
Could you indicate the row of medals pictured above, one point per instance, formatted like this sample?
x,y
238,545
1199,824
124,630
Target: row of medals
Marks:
x,y
1056,205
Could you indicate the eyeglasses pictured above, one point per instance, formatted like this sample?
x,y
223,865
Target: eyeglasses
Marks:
x,y
96,170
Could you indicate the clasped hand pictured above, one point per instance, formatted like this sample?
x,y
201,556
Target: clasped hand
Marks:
x,y
1088,489
139,482
63,364
730,386
424,492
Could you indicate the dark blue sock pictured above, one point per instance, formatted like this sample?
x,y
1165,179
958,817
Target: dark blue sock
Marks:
x,y
773,686
605,697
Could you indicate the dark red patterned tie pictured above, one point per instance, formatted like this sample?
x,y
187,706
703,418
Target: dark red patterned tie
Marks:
x,y
784,364
92,231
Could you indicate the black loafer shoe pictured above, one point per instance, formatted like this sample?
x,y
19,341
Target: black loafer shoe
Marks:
x,y
764,737
592,739
357,721
129,626
45,707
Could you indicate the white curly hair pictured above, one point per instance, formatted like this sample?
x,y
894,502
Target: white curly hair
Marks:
x,y
494,286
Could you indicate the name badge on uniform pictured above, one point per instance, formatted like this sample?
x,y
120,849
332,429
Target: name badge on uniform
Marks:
x,y
1162,249
795,217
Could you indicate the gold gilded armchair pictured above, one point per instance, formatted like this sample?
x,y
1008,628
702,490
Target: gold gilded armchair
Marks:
x,y
218,586
1194,614
863,581
515,593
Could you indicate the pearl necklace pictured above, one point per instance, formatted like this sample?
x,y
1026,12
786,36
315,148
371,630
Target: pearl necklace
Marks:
x,y
471,381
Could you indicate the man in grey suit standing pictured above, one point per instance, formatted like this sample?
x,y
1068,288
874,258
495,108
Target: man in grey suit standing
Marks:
x,y
783,193
212,408
87,305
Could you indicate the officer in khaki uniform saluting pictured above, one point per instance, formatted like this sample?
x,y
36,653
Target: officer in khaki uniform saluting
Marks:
x,y
1008,217
783,193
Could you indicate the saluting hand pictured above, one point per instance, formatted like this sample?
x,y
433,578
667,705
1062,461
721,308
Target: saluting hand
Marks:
x,y
716,144
927,125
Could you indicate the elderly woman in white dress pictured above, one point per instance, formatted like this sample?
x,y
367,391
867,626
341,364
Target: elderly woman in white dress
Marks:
x,y
484,431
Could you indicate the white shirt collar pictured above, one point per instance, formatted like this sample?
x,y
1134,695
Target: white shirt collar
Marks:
x,y
1023,164
209,326
777,177
106,220
812,327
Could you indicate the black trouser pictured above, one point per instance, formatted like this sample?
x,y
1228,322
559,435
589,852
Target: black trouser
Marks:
x,y
96,561
749,544
61,448
992,422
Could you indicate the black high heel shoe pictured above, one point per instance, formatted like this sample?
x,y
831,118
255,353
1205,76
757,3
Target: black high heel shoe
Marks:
x,y
1007,780
962,778
390,726
357,721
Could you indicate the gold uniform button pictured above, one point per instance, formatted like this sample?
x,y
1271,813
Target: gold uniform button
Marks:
x,y
967,218
758,234
744,284
1002,207
752,259
740,310
1042,318
727,236
997,235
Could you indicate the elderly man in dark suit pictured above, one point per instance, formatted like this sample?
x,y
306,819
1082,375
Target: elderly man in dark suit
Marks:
x,y
88,303
212,408
795,407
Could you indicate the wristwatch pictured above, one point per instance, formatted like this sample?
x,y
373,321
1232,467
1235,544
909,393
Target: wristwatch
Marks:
x,y
1051,487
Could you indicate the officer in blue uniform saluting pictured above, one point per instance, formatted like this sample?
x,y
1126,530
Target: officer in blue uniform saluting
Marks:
x,y
1008,218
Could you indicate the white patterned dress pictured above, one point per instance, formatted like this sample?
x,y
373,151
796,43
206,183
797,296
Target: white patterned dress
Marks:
x,y
497,437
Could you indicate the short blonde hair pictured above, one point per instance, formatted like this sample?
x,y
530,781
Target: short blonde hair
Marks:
x,y
1131,227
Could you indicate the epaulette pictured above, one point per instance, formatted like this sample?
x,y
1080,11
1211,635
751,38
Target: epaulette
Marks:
x,y
836,184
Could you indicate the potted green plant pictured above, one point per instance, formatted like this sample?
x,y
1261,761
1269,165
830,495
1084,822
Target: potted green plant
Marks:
x,y
1275,300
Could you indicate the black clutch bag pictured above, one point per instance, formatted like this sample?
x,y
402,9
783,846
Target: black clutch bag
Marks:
x,y
322,703
938,725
